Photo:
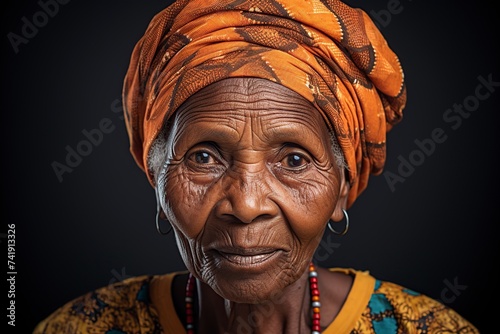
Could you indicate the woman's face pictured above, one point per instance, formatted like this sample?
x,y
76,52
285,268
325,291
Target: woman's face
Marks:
x,y
250,186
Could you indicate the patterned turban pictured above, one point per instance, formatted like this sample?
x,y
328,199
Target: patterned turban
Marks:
x,y
329,53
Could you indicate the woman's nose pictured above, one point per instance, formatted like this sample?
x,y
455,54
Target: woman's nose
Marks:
x,y
247,198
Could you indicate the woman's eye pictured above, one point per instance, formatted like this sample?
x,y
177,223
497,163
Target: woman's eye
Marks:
x,y
203,158
294,161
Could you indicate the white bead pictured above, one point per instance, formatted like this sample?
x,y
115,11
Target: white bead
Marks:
x,y
316,304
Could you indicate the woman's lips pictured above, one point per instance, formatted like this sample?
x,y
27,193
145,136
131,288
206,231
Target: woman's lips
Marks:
x,y
248,256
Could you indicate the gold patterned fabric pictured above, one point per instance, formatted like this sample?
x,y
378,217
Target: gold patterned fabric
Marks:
x,y
329,53
123,307
372,307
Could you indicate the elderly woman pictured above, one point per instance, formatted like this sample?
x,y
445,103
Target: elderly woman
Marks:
x,y
258,124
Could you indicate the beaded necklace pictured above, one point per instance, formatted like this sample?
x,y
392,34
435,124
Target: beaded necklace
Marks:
x,y
313,287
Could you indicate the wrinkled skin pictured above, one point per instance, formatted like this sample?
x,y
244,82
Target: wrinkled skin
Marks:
x,y
251,183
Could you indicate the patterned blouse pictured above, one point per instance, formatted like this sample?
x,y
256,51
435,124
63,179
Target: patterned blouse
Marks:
x,y
372,306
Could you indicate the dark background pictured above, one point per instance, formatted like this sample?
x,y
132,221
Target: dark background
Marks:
x,y
438,228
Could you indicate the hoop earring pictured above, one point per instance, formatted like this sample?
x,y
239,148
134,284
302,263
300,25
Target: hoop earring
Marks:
x,y
158,217
346,228
158,228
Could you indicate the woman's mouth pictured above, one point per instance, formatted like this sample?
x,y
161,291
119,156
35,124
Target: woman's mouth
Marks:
x,y
246,257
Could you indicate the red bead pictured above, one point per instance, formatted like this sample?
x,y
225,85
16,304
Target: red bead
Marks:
x,y
315,292
314,286
189,319
313,279
316,316
316,322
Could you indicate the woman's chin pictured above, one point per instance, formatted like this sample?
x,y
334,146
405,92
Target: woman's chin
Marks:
x,y
250,279
244,292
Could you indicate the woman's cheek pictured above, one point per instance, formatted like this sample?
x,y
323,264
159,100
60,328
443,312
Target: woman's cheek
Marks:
x,y
313,203
185,202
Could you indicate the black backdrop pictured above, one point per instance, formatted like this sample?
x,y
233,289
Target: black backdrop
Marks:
x,y
428,223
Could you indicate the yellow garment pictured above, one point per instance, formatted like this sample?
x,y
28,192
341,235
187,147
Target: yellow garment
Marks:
x,y
372,306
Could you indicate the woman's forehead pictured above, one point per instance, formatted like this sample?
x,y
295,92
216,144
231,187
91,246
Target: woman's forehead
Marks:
x,y
238,91
240,104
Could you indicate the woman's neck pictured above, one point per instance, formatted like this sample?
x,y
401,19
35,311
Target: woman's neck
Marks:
x,y
286,312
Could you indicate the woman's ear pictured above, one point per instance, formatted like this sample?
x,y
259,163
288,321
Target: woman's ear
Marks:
x,y
338,214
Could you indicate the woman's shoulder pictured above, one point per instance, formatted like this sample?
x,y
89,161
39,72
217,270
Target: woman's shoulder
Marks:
x,y
123,306
393,306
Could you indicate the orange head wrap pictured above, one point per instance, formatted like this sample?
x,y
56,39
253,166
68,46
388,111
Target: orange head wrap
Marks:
x,y
329,53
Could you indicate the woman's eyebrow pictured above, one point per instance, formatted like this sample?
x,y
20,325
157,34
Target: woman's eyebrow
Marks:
x,y
292,131
218,133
